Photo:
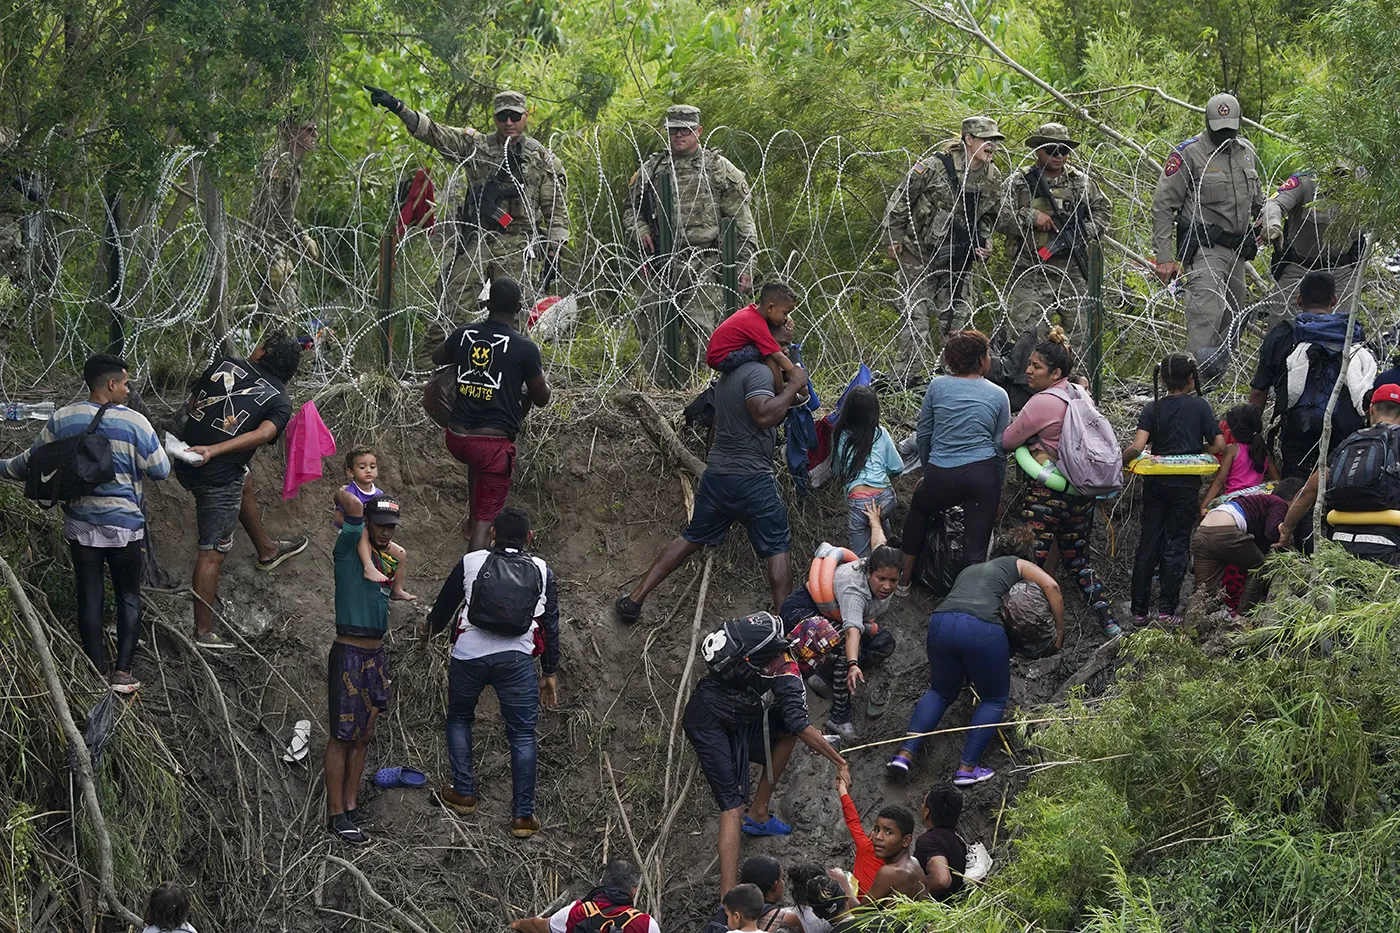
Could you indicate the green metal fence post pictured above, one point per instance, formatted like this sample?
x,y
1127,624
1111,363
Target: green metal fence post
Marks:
x,y
1096,319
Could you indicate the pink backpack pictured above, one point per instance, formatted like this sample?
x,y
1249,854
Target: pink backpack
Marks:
x,y
1089,454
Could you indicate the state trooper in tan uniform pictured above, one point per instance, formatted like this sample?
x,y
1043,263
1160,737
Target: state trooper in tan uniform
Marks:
x,y
1300,221
514,215
280,238
1209,190
688,284
945,202
1041,287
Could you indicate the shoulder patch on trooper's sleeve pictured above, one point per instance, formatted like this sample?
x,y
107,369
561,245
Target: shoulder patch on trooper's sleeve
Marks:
x,y
1173,164
1293,182
1186,142
920,167
469,131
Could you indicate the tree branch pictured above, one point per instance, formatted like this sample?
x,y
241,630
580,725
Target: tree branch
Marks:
x,y
75,739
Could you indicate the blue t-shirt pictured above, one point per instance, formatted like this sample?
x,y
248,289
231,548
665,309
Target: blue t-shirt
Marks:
x,y
361,607
962,421
883,462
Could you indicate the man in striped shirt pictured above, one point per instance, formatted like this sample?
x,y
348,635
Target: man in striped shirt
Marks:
x,y
107,526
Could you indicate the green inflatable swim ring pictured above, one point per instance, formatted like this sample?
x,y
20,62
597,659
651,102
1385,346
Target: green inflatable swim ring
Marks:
x,y
1045,473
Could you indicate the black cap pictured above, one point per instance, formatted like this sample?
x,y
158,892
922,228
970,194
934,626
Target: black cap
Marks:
x,y
383,509
504,297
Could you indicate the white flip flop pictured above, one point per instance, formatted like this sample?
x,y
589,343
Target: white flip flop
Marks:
x,y
300,745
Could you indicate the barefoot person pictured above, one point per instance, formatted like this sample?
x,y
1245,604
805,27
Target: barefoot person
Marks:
x,y
357,674
236,407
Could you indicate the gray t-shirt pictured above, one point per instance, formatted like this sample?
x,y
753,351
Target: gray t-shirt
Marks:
x,y
740,446
979,589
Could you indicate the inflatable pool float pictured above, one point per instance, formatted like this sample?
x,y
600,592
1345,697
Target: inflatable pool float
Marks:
x,y
821,577
1262,489
1175,465
1382,517
1047,474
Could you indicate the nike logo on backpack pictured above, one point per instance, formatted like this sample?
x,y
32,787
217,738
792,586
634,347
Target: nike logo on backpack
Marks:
x,y
47,477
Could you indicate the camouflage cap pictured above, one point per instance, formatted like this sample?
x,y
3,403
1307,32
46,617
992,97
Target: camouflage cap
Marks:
x,y
982,128
682,116
1223,112
514,101
1051,134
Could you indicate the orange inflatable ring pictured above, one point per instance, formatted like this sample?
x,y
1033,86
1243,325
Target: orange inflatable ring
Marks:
x,y
821,578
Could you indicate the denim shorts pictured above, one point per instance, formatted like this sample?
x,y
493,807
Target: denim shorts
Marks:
x,y
216,513
749,498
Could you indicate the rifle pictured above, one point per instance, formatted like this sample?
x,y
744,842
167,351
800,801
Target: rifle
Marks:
x,y
1069,238
484,208
954,257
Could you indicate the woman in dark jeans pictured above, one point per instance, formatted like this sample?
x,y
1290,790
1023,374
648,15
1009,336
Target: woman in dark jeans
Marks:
x,y
960,428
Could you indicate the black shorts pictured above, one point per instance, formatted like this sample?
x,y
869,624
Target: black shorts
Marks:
x,y
726,753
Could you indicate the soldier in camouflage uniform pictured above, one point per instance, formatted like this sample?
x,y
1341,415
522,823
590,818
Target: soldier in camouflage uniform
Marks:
x,y
921,218
688,285
529,225
1210,182
1040,287
1298,219
274,218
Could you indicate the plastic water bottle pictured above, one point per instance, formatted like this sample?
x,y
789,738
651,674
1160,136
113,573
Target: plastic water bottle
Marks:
x,y
18,411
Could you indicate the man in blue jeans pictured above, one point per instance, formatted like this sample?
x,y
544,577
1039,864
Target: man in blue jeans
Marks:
x,y
739,484
501,658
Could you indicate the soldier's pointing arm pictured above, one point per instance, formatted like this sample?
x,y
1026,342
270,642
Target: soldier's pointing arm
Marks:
x,y
456,143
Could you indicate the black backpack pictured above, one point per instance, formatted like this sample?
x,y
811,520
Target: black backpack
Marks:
x,y
740,648
505,593
70,467
1364,474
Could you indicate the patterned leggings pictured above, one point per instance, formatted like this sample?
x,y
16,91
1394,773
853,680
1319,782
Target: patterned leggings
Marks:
x,y
1068,521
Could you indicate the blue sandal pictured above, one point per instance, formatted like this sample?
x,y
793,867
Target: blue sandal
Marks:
x,y
770,827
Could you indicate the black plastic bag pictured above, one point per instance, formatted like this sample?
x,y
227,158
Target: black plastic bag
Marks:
x,y
942,557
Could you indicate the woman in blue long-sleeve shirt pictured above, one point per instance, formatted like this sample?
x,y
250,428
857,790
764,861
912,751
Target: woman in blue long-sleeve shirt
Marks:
x,y
959,435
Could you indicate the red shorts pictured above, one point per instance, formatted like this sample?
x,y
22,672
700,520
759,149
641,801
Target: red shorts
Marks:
x,y
490,462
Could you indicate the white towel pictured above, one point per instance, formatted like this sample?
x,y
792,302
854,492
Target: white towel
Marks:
x,y
1360,375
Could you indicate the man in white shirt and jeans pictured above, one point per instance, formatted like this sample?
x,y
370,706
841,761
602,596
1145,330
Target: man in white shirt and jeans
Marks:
x,y
506,607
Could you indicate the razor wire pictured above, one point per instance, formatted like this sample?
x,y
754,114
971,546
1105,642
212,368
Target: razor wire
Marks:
x,y
819,206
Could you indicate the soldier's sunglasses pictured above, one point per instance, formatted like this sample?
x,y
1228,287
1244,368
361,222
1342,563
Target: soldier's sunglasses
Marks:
x,y
509,116
1058,151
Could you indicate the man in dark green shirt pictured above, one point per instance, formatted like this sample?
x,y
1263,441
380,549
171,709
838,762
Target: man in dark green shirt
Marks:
x,y
357,682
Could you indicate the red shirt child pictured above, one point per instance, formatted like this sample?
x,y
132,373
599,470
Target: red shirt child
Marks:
x,y
746,337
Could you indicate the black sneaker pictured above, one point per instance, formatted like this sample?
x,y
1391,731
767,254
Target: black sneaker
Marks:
x,y
359,817
344,829
627,611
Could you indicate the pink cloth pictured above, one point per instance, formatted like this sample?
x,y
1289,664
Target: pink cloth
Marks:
x,y
308,440
1242,473
1043,417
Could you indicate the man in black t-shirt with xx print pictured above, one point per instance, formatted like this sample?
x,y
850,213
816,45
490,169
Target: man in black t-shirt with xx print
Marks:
x,y
236,407
499,376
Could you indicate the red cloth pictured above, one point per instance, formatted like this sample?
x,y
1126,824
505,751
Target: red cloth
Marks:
x,y
867,862
743,328
308,440
490,462
417,208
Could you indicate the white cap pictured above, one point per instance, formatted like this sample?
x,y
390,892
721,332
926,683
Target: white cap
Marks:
x,y
1223,112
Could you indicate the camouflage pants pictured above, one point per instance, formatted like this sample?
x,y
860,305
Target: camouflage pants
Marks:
x,y
486,257
1037,294
929,313
686,290
1283,300
278,295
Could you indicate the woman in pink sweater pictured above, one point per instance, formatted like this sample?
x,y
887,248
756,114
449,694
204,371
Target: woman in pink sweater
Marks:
x,y
1057,518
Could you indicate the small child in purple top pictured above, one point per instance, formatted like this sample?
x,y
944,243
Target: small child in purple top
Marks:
x,y
362,469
